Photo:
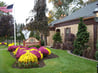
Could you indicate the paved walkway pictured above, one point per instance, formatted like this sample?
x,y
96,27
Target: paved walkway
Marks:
x,y
81,56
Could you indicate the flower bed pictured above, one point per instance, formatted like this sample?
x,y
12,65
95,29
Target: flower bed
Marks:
x,y
3,43
28,57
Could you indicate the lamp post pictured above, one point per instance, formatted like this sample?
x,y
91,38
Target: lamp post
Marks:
x,y
96,19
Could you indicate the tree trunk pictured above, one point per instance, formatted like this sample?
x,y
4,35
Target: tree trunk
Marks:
x,y
41,36
45,40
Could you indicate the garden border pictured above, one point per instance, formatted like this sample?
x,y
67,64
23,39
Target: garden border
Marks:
x,y
81,56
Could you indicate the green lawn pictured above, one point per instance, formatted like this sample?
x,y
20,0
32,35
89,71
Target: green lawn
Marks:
x,y
3,47
65,63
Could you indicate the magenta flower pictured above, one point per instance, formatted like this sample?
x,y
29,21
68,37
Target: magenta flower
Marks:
x,y
36,53
20,52
3,43
12,48
32,48
43,50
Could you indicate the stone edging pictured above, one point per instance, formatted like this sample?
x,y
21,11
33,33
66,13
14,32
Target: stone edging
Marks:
x,y
81,56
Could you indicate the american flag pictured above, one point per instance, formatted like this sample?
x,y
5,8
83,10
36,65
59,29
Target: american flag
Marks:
x,y
7,9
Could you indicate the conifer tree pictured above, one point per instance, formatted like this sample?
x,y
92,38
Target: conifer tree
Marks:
x,y
82,38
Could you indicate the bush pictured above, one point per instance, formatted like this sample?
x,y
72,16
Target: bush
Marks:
x,y
28,57
57,37
37,46
97,45
45,50
96,55
42,42
82,38
26,65
57,40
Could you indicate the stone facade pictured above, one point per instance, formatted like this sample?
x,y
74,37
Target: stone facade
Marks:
x,y
50,38
73,29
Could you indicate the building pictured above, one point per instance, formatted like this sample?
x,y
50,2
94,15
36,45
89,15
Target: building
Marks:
x,y
69,24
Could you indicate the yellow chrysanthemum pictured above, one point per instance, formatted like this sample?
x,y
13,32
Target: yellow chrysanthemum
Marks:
x,y
33,49
41,54
0,43
5,43
14,52
11,44
22,48
48,51
28,57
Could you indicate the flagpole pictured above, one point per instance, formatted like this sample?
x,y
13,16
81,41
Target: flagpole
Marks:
x,y
14,32
14,27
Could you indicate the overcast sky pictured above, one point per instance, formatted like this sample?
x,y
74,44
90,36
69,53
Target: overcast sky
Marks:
x,y
22,8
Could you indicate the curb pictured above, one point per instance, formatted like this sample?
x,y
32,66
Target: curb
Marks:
x,y
81,56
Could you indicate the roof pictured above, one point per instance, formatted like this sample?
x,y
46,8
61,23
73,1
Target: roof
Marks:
x,y
85,12
52,23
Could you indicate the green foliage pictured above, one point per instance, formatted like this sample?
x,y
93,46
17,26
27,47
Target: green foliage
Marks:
x,y
97,45
57,37
82,38
21,37
37,46
31,34
42,42
96,55
37,36
50,16
63,6
26,65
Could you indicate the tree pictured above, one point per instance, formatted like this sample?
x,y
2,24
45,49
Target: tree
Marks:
x,y
61,7
66,7
82,38
40,23
19,34
50,16
6,27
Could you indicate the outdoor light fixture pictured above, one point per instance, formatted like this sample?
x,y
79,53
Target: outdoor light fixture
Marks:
x,y
96,19
96,13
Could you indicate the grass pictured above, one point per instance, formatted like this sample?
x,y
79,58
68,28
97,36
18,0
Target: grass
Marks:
x,y
65,63
3,47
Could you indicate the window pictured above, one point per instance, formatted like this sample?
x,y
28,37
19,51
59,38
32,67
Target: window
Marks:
x,y
67,31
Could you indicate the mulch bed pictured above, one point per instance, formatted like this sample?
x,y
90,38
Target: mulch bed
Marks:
x,y
41,62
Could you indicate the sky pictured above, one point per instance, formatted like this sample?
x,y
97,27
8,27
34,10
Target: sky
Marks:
x,y
22,9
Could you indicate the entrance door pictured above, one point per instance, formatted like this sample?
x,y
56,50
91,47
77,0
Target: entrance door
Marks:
x,y
67,31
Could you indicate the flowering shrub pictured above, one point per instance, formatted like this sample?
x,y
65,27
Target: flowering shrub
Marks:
x,y
17,50
12,48
20,52
28,57
45,50
11,44
3,43
37,53
32,48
